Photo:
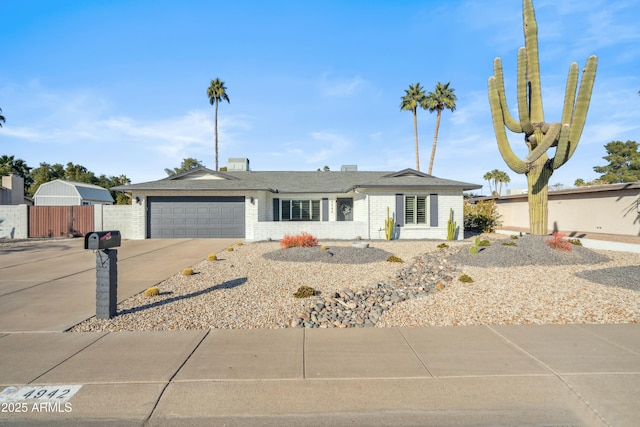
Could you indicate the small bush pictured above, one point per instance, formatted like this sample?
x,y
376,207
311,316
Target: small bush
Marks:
x,y
481,217
230,249
212,257
304,292
514,237
473,250
323,248
443,246
509,244
302,240
152,292
239,244
187,272
484,243
559,241
465,278
394,258
575,242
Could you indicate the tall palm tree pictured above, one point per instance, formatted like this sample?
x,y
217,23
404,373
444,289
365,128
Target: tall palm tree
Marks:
x,y
488,177
216,93
442,97
415,97
502,178
1,118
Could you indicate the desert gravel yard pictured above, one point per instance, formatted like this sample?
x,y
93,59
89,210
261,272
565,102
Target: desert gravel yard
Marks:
x,y
253,286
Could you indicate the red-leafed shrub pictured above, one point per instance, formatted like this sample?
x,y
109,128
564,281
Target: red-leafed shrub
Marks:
x,y
302,240
559,241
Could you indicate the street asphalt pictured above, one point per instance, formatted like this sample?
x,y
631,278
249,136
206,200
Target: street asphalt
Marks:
x,y
531,375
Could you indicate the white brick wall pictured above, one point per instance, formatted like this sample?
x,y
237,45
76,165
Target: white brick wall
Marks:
x,y
14,222
446,199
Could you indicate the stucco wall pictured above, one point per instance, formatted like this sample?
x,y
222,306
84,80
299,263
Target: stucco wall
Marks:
x,y
14,222
609,212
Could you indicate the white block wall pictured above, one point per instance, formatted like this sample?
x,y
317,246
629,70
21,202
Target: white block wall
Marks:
x,y
446,199
14,222
128,219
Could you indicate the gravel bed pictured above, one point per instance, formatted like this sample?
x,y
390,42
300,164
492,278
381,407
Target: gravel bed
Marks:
x,y
253,287
528,250
333,255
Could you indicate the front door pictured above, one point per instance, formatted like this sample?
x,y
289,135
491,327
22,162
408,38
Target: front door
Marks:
x,y
345,209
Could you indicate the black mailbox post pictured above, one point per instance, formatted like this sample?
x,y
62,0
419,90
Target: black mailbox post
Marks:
x,y
103,243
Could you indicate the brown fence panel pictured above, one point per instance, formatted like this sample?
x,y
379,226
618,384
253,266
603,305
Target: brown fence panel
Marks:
x,y
60,221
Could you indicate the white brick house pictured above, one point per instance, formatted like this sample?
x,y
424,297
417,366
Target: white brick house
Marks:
x,y
267,205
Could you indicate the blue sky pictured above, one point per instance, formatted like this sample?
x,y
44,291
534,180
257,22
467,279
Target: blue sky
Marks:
x,y
119,86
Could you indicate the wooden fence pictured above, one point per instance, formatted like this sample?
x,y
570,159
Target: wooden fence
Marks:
x,y
60,221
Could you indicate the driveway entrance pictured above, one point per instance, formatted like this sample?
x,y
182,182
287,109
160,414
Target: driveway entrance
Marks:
x,y
50,285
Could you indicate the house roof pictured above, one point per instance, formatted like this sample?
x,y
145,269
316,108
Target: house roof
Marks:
x,y
578,190
297,182
82,189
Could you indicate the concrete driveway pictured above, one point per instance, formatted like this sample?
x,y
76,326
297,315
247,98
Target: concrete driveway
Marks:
x,y
50,285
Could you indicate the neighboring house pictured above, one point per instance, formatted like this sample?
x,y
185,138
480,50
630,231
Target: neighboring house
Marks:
x,y
12,190
608,209
69,193
267,205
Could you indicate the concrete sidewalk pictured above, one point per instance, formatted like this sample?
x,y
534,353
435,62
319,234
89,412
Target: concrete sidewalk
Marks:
x,y
586,375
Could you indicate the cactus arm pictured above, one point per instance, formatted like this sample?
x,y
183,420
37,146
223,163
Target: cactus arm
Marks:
x,y
549,140
509,121
536,114
562,152
523,103
570,94
507,153
582,103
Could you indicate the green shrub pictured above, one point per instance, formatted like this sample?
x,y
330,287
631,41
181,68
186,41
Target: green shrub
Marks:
x,y
484,243
443,246
481,217
575,242
514,237
304,292
465,279
212,257
394,258
509,244
187,272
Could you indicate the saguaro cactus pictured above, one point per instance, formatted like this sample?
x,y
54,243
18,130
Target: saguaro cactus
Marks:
x,y
539,136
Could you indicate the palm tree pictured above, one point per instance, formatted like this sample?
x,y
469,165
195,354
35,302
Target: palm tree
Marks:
x,y
442,97
1,118
414,97
489,177
502,178
216,93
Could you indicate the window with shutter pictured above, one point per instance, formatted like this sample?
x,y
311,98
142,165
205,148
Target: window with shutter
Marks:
x,y
415,210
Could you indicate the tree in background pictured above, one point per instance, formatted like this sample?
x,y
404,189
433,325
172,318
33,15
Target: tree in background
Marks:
x,y
1,118
539,136
624,163
9,164
414,97
581,182
441,98
77,173
217,92
497,177
186,165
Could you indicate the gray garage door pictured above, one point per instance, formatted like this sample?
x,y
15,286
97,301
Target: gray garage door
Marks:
x,y
206,217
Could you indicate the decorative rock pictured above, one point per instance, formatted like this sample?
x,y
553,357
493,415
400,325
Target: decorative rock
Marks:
x,y
360,245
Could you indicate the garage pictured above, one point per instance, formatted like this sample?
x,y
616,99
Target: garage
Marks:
x,y
195,217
